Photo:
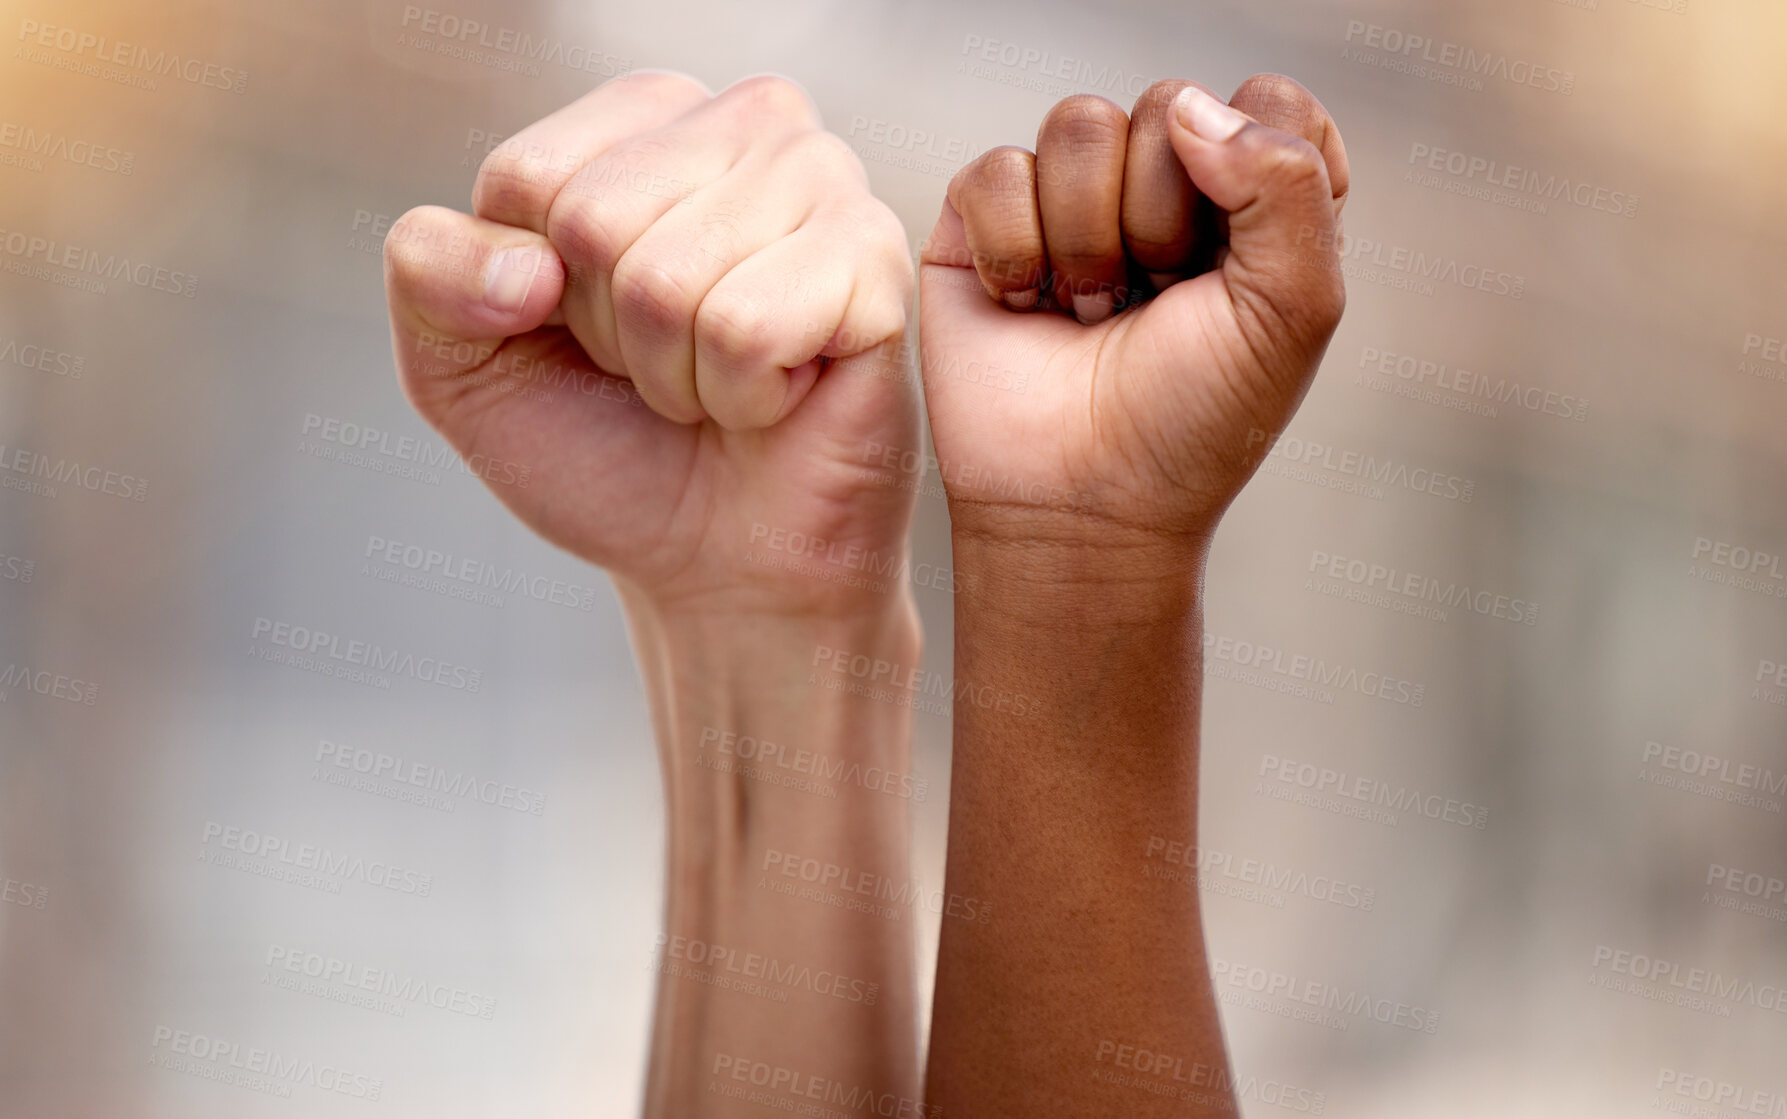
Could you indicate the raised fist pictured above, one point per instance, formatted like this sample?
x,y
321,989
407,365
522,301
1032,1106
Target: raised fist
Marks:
x,y
673,310
1160,286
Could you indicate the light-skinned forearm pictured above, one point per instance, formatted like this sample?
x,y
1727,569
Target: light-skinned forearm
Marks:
x,y
769,981
1041,1011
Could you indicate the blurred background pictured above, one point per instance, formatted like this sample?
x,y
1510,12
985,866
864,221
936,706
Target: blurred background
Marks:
x,y
1520,824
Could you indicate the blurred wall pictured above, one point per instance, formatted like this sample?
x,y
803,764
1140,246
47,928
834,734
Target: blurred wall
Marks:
x,y
1494,752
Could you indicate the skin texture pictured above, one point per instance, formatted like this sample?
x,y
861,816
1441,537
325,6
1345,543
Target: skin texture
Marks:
x,y
1165,297
665,337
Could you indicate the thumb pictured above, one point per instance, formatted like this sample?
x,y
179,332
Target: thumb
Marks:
x,y
1283,264
950,291
458,286
955,313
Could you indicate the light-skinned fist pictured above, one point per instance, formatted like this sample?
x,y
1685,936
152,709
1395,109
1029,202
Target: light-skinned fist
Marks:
x,y
678,312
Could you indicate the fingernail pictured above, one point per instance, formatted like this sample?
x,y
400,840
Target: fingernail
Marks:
x,y
1094,308
1165,280
1205,116
1021,300
509,277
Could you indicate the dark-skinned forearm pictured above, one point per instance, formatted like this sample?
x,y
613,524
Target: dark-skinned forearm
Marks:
x,y
1051,815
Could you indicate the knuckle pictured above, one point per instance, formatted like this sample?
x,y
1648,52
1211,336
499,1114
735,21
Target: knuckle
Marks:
x,y
1086,245
516,180
882,319
725,226
876,236
660,84
626,171
1014,266
1279,102
1005,171
892,243
1274,90
826,151
868,322
647,295
1296,164
410,237
773,95
584,241
1004,237
1155,99
734,328
886,272
1155,244
1086,118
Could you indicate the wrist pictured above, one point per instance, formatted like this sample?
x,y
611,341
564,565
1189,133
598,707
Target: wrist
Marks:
x,y
1081,576
728,651
738,721
759,765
